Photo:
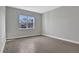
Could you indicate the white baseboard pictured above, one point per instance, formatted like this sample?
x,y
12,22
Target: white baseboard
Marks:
x,y
15,37
72,41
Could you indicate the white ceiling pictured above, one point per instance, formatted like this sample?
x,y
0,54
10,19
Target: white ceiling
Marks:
x,y
39,9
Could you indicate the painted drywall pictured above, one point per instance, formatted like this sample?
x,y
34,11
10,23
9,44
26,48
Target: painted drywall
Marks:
x,y
62,22
2,28
38,9
12,28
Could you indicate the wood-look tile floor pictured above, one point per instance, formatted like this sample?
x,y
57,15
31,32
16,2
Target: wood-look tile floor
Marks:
x,y
40,44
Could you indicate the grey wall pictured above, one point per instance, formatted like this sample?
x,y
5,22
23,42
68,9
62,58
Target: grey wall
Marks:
x,y
2,28
62,22
12,23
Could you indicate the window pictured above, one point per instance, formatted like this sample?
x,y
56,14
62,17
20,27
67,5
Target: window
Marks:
x,y
26,22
